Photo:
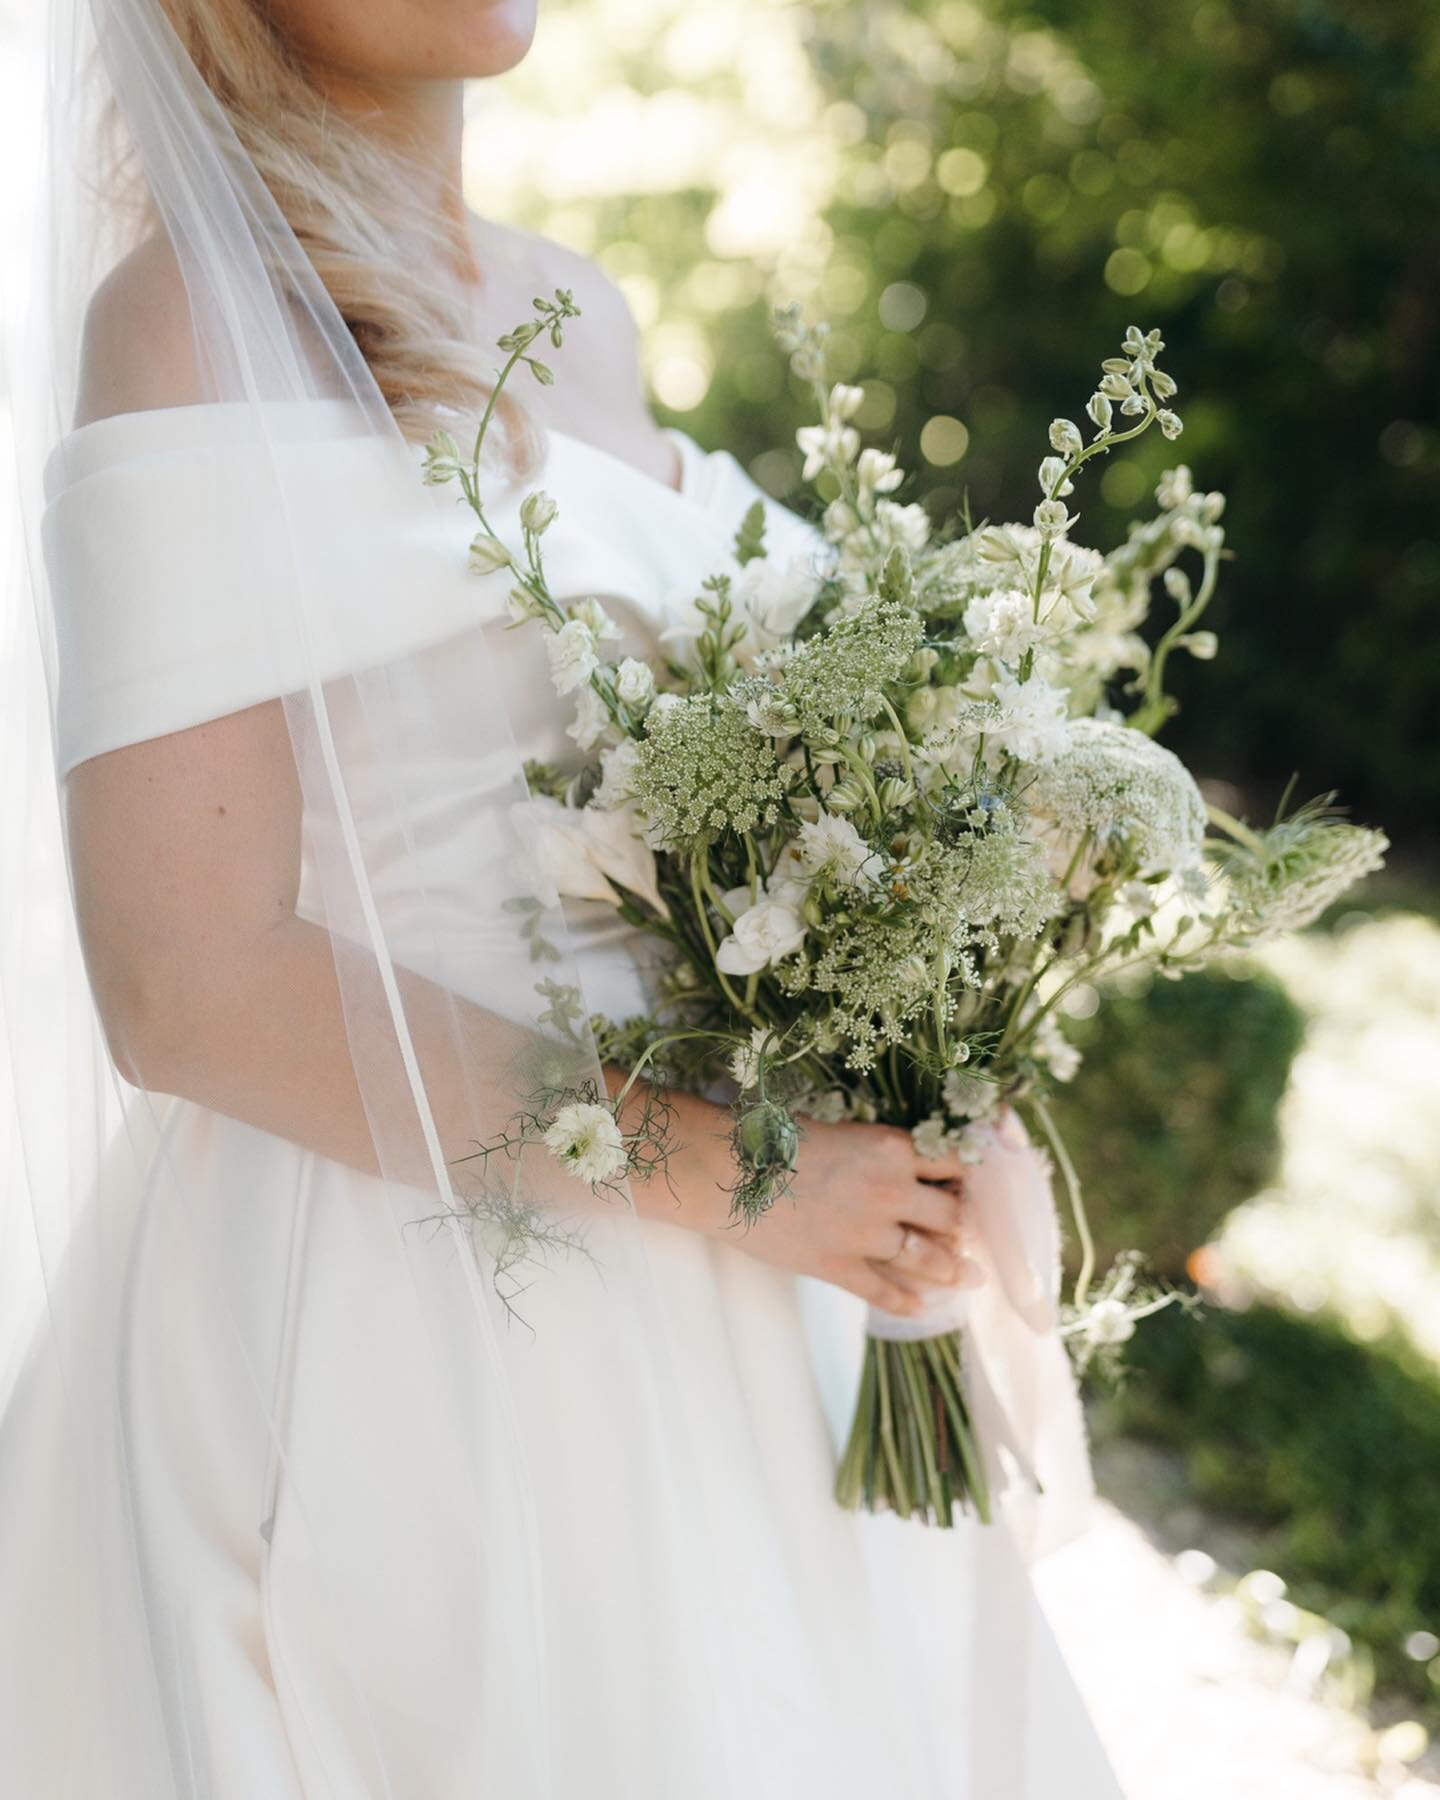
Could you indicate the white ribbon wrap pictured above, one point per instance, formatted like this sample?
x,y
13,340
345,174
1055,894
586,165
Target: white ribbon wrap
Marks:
x,y
1019,1381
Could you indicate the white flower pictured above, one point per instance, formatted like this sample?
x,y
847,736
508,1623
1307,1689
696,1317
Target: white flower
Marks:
x,y
1033,721
1055,1050
520,605
908,526
585,1139
1051,470
831,846
745,1058
775,596
1123,788
1052,519
770,597
826,444
877,472
1175,487
969,1096
617,769
1169,423
591,613
1201,644
487,554
591,721
1108,1322
845,401
1139,897
571,650
931,1137
764,934
634,682
1002,624
1100,410
585,850
538,511
1065,437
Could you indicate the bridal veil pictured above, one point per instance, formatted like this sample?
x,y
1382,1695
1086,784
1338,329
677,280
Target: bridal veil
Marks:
x,y
209,504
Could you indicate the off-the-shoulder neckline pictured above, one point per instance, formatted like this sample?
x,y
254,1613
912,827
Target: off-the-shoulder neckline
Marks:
x,y
96,430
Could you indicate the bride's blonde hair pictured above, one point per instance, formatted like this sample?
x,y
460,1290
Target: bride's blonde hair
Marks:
x,y
350,200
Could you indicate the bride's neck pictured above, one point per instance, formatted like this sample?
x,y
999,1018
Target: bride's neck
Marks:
x,y
424,122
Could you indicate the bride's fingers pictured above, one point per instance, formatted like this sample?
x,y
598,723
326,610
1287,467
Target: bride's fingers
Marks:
x,y
932,1206
923,1256
877,1288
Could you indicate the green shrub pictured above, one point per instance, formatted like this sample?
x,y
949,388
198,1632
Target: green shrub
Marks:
x,y
1172,1120
1329,1447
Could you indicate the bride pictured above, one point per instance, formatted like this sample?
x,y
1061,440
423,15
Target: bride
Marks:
x,y
353,1455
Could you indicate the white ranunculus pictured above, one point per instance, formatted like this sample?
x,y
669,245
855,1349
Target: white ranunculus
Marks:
x,y
763,934
571,650
586,1139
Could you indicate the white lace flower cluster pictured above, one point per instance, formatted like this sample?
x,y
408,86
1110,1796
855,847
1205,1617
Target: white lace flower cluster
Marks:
x,y
1130,796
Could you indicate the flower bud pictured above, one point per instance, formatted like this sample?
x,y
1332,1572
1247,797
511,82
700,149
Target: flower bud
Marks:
x,y
1201,644
487,554
1100,410
1065,437
537,511
766,1137
846,795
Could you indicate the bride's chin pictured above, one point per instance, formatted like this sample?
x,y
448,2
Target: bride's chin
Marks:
x,y
501,33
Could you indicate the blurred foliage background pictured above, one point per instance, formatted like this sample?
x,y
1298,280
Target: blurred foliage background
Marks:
x,y
980,196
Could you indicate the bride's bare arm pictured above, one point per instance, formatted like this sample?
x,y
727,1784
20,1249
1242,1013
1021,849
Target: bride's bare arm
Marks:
x,y
186,857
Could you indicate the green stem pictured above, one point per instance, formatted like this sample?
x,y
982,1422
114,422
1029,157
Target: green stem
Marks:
x,y
1077,1203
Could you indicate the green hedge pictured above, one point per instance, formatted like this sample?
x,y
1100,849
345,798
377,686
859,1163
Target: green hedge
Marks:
x,y
1330,1447
1171,1120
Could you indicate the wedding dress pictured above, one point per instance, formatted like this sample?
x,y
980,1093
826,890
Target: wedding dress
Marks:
x,y
364,1569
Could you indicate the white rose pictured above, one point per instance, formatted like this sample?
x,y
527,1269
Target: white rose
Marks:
x,y
634,683
764,934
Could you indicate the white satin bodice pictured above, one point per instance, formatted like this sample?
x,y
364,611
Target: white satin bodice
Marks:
x,y
203,559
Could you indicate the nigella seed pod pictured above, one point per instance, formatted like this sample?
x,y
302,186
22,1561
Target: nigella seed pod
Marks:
x,y
767,1138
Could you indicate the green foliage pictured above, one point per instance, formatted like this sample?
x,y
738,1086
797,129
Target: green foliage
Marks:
x,y
1025,179
1172,1118
1330,1447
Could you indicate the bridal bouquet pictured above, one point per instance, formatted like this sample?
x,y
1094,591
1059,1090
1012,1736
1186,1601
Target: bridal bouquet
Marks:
x,y
887,806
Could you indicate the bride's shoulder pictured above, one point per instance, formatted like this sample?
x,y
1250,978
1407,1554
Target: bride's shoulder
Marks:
x,y
137,347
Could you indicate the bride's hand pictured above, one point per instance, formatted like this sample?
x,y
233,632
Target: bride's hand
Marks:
x,y
864,1211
